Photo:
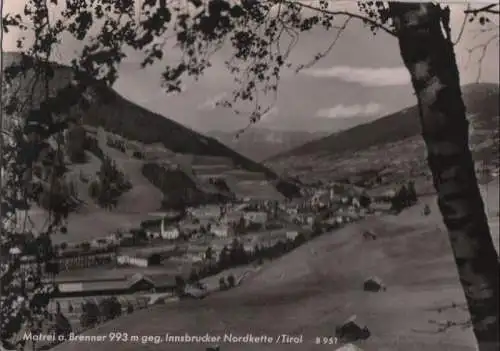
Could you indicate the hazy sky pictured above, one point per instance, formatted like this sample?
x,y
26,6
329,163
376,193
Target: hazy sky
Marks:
x,y
362,78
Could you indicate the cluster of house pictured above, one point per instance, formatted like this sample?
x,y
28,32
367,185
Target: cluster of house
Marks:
x,y
340,207
219,221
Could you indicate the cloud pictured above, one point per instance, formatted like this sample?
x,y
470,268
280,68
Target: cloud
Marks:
x,y
341,111
211,103
371,77
273,112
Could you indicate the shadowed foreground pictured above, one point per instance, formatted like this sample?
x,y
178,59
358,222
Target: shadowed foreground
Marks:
x,y
319,285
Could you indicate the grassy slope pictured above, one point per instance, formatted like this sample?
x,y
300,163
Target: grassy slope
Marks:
x,y
480,99
312,289
143,197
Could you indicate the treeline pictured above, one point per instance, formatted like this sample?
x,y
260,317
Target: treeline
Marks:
x,y
110,184
116,144
235,255
108,308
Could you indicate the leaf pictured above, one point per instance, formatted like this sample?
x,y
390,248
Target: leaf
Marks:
x,y
196,3
237,11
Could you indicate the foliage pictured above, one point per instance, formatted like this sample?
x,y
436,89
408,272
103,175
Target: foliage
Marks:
x,y
138,155
91,314
231,281
85,246
139,235
193,276
365,200
110,184
222,284
427,210
180,285
412,193
405,197
92,145
110,308
75,143
61,325
209,253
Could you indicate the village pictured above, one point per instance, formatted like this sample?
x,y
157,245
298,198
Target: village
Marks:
x,y
191,254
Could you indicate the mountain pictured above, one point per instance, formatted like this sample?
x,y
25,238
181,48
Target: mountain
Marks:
x,y
122,117
163,161
391,141
261,143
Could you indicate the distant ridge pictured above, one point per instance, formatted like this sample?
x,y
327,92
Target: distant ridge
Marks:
x,y
481,100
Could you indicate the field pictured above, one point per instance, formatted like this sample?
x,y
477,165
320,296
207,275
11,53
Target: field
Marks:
x,y
317,286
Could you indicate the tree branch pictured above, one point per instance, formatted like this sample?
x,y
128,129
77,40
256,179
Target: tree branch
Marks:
x,y
485,9
345,13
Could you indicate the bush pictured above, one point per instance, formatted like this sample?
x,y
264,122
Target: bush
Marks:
x,y
92,145
365,201
110,308
90,316
94,189
75,144
137,154
222,284
194,276
412,193
180,285
110,184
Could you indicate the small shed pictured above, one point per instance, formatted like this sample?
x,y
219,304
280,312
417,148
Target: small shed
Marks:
x,y
374,284
351,331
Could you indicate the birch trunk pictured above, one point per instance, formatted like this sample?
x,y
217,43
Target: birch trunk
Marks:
x,y
427,52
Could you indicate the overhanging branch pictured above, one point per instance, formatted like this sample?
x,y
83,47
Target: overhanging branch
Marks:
x,y
491,8
344,13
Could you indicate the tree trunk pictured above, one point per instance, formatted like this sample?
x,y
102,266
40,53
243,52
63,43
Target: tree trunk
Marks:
x,y
427,52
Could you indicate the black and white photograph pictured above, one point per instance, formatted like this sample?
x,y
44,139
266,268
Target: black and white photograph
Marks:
x,y
240,175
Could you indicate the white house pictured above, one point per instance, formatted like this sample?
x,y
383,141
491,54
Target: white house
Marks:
x,y
291,234
221,231
256,216
169,233
355,203
137,261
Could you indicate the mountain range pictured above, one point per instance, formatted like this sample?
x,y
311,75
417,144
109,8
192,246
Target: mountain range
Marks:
x,y
262,143
392,144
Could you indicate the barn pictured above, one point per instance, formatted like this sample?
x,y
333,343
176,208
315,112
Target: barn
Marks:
x,y
373,284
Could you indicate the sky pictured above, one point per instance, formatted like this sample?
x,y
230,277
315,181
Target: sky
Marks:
x,y
362,78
